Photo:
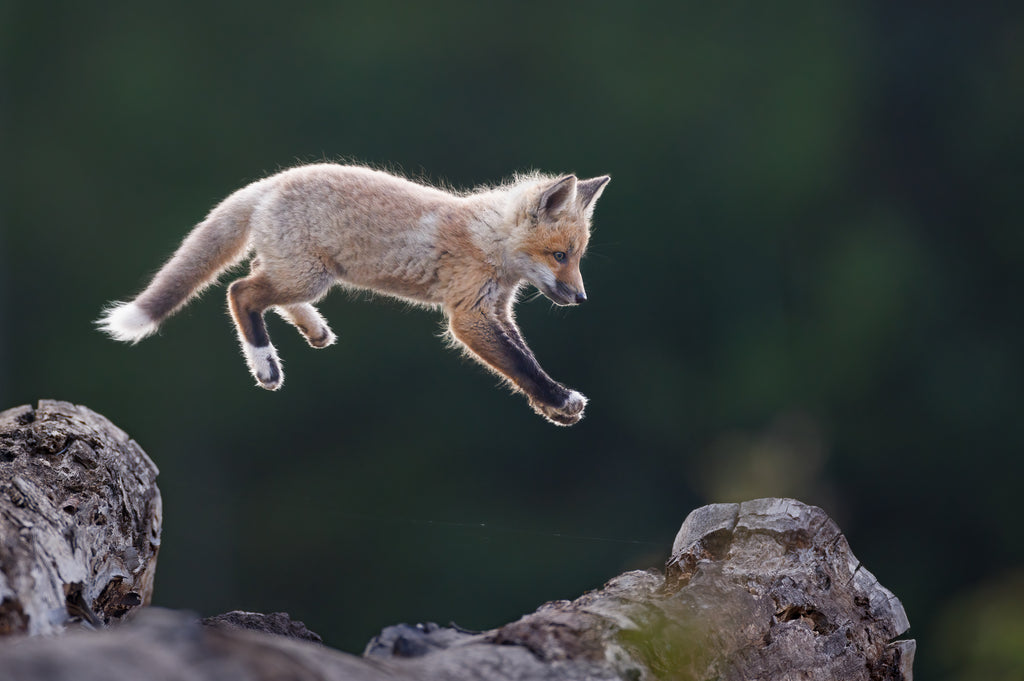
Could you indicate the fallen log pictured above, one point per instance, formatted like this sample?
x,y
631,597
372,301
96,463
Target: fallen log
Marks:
x,y
766,589
80,519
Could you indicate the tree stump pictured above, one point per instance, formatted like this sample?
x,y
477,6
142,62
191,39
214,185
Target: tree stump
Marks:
x,y
79,519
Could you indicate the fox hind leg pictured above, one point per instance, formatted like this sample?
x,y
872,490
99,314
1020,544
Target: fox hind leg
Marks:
x,y
269,285
310,323
247,299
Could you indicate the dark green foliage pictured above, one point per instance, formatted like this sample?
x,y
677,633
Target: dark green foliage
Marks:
x,y
804,280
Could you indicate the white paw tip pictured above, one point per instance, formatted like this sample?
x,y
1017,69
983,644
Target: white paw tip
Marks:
x,y
264,365
126,322
576,398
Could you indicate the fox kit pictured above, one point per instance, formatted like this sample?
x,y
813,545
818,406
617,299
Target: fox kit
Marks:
x,y
318,225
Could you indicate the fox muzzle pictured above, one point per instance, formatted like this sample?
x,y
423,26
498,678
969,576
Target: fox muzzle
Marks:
x,y
563,294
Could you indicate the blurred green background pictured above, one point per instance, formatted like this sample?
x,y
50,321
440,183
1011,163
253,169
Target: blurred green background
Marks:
x,y
804,281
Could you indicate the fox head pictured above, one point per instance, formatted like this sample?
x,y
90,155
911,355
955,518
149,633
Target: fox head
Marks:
x,y
555,238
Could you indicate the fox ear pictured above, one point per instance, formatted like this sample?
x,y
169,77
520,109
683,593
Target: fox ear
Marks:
x,y
588,191
558,196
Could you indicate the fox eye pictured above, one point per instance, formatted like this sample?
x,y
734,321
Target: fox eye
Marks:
x,y
559,256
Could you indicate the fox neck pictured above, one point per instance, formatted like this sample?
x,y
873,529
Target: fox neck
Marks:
x,y
498,228
501,226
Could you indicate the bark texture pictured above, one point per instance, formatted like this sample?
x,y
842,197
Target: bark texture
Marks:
x,y
767,589
80,519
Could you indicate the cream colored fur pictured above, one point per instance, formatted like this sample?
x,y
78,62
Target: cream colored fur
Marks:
x,y
319,225
127,322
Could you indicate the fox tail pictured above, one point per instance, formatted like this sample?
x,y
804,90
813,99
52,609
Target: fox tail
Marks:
x,y
217,243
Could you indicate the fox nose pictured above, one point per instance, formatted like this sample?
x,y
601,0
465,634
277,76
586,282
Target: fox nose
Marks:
x,y
581,297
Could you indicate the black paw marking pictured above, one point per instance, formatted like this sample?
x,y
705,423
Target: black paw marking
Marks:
x,y
274,378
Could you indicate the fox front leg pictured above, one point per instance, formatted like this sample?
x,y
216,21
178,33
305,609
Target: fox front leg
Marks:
x,y
496,342
570,411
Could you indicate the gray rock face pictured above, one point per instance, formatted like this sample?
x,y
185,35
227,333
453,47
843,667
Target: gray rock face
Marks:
x,y
771,589
766,589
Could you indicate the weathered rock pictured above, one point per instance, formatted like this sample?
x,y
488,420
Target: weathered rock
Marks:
x,y
166,645
766,589
770,589
80,519
278,623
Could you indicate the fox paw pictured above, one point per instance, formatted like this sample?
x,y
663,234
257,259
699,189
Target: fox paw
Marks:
x,y
265,366
322,339
568,413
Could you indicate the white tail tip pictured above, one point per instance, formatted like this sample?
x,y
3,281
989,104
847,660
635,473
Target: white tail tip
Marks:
x,y
126,322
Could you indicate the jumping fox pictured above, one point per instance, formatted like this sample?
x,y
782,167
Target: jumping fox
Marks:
x,y
315,226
